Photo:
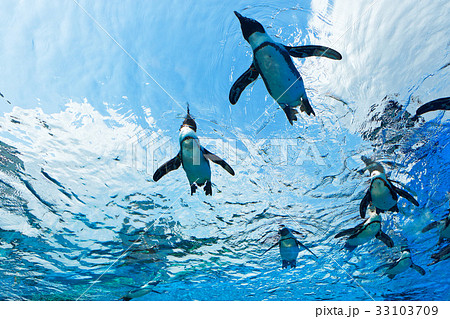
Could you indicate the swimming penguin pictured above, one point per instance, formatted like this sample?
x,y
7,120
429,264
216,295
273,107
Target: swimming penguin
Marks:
x,y
381,193
142,291
193,157
445,230
366,231
400,265
273,62
439,104
441,255
289,247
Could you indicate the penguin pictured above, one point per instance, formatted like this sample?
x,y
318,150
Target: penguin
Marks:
x,y
273,62
365,231
194,158
400,265
142,291
439,104
445,230
382,193
441,255
289,247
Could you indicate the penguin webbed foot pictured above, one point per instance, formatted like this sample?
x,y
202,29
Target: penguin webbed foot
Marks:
x,y
394,209
208,188
290,113
350,248
193,189
306,107
391,276
285,263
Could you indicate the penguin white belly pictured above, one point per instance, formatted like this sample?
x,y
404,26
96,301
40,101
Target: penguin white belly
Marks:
x,y
366,235
289,249
402,266
381,196
194,163
282,80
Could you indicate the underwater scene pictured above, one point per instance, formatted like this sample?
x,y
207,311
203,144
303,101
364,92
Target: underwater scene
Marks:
x,y
225,150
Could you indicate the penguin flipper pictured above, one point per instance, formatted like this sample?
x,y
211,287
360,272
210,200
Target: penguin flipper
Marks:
x,y
406,195
313,50
431,226
382,267
216,159
350,231
364,204
417,268
439,104
296,232
385,239
242,82
275,245
165,168
304,247
392,190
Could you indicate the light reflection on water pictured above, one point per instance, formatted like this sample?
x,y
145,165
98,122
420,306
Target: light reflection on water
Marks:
x,y
79,217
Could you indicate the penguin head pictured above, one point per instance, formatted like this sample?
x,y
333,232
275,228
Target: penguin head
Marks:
x,y
372,166
249,26
373,214
189,121
405,249
378,179
284,231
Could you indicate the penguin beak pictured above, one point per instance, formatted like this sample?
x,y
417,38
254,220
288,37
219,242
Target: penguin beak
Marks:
x,y
243,20
248,25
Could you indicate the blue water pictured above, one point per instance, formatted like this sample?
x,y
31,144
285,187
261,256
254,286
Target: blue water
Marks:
x,y
98,91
